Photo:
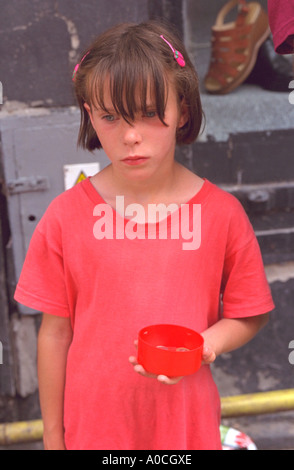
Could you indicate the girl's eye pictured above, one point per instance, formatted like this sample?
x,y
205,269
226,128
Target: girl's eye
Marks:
x,y
109,118
150,114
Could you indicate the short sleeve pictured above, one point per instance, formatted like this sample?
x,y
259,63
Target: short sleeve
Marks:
x,y
281,20
41,285
245,289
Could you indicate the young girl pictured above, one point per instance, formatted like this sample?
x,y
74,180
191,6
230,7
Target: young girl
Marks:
x,y
101,266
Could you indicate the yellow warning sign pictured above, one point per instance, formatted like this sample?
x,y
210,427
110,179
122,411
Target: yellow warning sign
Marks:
x,y
82,176
74,173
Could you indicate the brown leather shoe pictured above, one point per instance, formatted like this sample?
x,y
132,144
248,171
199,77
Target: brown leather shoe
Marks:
x,y
235,46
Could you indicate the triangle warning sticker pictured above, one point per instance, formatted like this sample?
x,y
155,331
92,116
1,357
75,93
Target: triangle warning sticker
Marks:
x,y
82,176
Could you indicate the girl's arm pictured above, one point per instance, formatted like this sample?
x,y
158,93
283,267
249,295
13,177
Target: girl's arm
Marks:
x,y
54,339
229,334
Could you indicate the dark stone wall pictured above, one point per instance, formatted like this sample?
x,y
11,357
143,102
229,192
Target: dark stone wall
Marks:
x,y
41,41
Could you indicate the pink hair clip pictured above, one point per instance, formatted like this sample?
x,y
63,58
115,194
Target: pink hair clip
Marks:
x,y
78,65
177,55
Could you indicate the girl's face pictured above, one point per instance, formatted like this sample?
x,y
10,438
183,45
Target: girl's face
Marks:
x,y
145,146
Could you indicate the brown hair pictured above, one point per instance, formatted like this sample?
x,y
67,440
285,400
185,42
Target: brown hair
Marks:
x,y
132,55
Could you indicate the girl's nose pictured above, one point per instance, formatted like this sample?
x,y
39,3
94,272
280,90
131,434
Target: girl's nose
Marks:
x,y
131,134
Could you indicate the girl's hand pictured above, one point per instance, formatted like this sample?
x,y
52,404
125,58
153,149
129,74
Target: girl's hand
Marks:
x,y
208,355
161,378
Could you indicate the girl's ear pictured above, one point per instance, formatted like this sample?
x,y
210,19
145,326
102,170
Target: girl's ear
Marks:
x,y
88,109
184,114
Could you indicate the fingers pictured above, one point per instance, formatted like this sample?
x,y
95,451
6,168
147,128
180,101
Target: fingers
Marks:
x,y
208,355
161,378
168,380
133,360
140,369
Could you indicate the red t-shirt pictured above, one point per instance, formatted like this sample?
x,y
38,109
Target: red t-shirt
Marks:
x,y
111,288
281,19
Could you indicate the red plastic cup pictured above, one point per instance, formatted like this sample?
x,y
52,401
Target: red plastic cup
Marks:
x,y
170,350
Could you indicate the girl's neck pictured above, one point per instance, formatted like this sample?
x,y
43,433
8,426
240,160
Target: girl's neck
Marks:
x,y
146,190
178,187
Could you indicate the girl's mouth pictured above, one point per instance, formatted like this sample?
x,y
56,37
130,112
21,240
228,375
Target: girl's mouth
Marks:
x,y
135,160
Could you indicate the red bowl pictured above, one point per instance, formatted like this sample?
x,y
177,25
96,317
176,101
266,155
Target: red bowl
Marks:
x,y
170,350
